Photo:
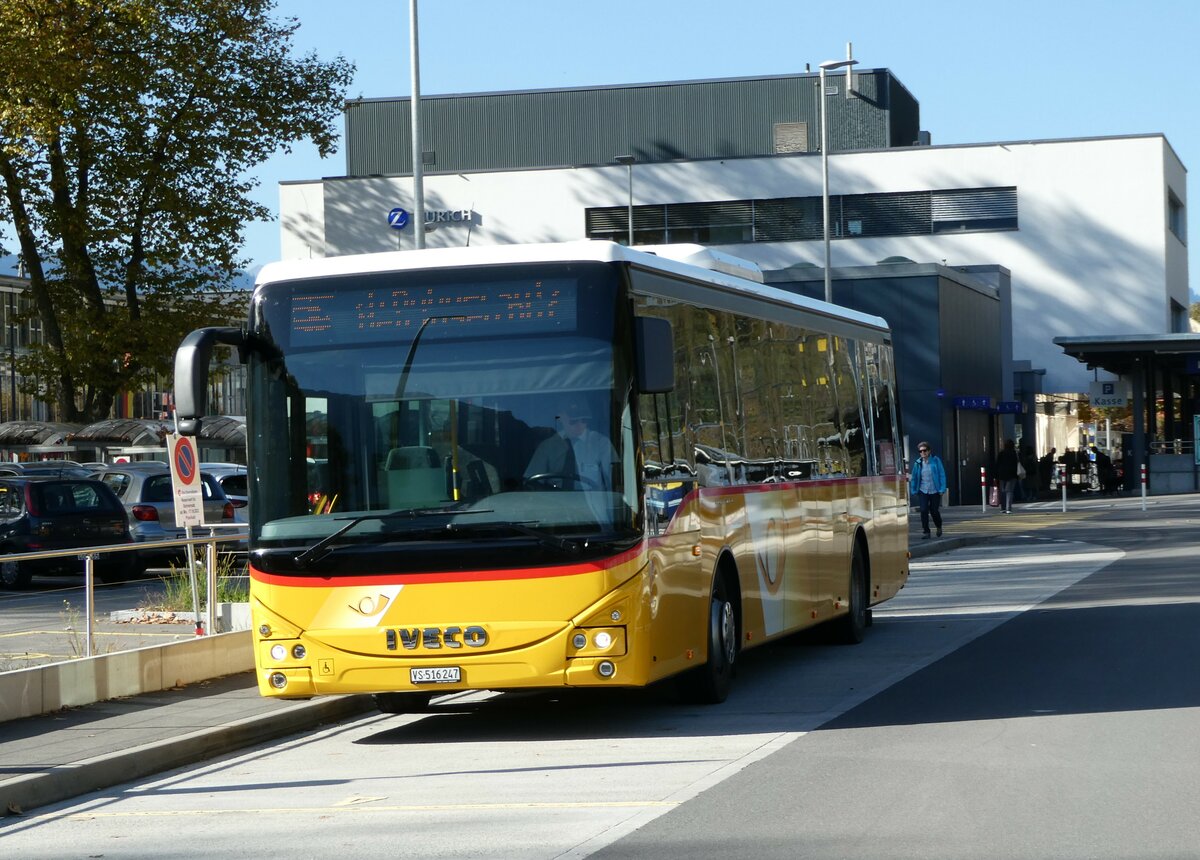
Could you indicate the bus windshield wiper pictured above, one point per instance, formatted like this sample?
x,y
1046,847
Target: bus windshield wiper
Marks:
x,y
321,548
542,536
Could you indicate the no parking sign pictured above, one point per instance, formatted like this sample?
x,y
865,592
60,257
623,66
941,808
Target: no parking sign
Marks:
x,y
185,481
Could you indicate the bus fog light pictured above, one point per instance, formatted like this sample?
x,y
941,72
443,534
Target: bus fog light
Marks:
x,y
606,669
299,652
602,640
579,640
278,652
264,630
278,680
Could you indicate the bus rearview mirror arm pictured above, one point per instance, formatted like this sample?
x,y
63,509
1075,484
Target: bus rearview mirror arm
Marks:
x,y
191,372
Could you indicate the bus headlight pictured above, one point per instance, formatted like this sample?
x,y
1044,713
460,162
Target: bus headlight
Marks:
x,y
598,641
278,653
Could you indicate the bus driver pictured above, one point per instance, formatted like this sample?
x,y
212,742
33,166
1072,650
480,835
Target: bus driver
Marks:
x,y
576,457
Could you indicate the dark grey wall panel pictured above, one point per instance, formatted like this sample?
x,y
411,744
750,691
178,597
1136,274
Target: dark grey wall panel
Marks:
x,y
653,122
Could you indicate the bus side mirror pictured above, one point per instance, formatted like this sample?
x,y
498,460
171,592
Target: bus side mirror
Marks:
x,y
191,373
654,343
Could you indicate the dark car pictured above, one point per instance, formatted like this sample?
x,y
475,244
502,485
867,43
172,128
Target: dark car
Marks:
x,y
47,513
51,468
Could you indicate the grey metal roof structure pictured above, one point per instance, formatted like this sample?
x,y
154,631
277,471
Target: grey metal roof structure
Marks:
x,y
1158,366
1119,354
721,118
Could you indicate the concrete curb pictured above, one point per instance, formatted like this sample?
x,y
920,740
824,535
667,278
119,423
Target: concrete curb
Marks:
x,y
72,780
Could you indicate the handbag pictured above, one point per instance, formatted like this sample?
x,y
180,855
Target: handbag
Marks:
x,y
1020,471
994,496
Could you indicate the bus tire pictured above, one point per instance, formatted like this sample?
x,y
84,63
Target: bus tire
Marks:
x,y
402,703
852,627
709,684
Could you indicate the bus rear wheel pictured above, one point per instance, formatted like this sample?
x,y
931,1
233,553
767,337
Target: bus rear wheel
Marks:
x,y
710,684
852,627
402,703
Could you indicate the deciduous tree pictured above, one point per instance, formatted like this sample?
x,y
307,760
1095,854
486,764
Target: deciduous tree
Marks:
x,y
127,130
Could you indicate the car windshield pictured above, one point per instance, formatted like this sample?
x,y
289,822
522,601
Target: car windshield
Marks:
x,y
58,498
374,394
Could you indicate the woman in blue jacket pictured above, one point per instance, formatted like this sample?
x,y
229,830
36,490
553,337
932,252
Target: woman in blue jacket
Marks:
x,y
926,484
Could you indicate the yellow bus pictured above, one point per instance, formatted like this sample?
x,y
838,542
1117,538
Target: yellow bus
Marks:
x,y
550,466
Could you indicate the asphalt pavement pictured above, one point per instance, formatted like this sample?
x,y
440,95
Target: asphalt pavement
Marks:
x,y
58,756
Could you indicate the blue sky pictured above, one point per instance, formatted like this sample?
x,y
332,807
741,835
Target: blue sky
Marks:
x,y
981,71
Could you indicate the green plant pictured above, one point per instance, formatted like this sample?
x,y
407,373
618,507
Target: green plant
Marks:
x,y
232,587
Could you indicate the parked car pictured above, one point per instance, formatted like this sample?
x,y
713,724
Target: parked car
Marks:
x,y
54,468
48,513
235,481
144,489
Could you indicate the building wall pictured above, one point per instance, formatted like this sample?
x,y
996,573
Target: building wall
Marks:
x,y
734,117
1089,257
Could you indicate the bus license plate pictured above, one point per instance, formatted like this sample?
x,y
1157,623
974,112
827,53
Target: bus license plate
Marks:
x,y
435,675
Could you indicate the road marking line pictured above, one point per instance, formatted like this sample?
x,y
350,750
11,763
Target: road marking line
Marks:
x,y
356,806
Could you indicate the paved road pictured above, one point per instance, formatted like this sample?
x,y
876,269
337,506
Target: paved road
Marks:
x,y
1032,697
46,623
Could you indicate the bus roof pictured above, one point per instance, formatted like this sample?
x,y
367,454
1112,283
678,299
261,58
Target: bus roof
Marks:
x,y
695,263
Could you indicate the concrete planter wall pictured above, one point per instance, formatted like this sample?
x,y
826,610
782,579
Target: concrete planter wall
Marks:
x,y
43,689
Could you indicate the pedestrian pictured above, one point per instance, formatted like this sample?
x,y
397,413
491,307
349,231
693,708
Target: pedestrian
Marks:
x,y
1029,462
1046,467
926,485
1005,472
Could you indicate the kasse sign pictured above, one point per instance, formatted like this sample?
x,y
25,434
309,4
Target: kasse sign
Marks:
x,y
1109,394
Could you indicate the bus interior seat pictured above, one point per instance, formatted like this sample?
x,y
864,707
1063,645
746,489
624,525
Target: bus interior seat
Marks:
x,y
412,457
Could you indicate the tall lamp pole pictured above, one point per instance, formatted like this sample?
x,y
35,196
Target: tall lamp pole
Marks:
x,y
829,65
418,178
628,161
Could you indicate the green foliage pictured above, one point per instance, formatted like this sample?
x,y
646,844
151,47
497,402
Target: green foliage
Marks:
x,y
1195,312
127,132
232,587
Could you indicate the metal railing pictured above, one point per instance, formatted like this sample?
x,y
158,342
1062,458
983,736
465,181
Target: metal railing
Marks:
x,y
89,555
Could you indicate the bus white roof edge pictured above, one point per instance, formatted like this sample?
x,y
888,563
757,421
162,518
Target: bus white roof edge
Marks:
x,y
724,269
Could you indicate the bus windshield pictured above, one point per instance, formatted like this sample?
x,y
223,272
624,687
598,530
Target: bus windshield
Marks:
x,y
490,403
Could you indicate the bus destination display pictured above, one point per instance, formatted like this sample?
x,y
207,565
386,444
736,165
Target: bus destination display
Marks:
x,y
333,316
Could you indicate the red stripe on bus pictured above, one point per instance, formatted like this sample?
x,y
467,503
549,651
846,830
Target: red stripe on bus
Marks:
x,y
450,575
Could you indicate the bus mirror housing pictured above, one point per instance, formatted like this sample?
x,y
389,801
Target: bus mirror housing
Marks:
x,y
191,373
654,343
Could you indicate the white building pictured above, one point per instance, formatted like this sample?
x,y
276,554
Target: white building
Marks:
x,y
1091,229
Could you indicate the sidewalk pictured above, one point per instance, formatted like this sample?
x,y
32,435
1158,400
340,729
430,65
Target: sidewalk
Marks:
x,y
58,756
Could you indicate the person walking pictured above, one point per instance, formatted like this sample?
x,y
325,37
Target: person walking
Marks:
x,y
1005,471
926,484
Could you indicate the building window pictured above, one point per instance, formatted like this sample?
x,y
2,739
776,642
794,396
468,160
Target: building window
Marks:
x,y
1176,216
792,219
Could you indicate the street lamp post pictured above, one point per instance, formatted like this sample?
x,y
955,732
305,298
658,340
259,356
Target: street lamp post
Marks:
x,y
628,161
418,177
828,65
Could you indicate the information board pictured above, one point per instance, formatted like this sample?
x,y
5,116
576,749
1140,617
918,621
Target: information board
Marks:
x,y
185,481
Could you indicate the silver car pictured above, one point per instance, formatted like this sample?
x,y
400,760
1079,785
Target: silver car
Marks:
x,y
234,480
145,491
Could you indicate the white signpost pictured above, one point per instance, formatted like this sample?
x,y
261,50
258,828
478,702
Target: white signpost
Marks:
x,y
189,502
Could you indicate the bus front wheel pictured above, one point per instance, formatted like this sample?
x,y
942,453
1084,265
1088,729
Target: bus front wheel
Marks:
x,y
710,683
402,703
